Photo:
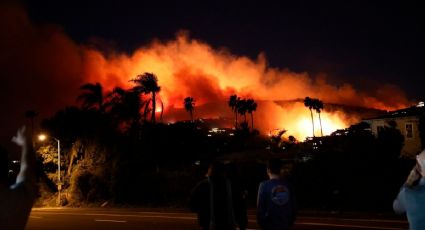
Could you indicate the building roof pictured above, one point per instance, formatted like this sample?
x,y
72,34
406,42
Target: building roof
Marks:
x,y
414,111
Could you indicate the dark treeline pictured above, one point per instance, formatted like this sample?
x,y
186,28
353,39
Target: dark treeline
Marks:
x,y
115,149
353,170
145,164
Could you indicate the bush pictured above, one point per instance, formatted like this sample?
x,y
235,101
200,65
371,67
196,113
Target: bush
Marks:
x,y
88,186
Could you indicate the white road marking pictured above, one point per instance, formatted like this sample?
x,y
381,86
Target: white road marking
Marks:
x,y
36,217
192,217
348,226
124,215
359,220
114,221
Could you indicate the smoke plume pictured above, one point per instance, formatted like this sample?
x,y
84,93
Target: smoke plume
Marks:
x,y
42,69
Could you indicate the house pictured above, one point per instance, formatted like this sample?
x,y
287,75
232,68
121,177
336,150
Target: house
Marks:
x,y
408,122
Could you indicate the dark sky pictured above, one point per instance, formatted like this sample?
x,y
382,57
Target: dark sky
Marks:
x,y
355,41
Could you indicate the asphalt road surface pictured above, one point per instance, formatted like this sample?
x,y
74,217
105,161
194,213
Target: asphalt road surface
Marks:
x,y
126,219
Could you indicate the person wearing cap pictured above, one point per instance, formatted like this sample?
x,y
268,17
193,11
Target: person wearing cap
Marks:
x,y
411,198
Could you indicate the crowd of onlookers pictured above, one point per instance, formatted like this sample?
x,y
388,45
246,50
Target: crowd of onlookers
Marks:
x,y
218,200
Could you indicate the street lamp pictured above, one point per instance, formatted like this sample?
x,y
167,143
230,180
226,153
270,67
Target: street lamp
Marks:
x,y
43,137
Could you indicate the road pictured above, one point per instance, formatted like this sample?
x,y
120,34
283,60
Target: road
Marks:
x,y
126,219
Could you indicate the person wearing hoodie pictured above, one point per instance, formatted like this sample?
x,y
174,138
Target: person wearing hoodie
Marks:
x,y
411,198
275,201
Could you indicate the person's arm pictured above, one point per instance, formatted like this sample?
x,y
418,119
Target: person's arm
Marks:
x,y
198,196
293,204
239,206
398,204
194,199
412,180
261,207
27,170
414,176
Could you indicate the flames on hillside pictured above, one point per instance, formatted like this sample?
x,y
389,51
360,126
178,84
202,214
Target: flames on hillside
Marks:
x,y
184,67
189,67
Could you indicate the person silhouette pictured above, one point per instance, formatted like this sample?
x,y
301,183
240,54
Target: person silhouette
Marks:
x,y
275,200
17,199
238,195
214,200
411,198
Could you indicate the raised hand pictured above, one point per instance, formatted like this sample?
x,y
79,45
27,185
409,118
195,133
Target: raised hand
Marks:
x,y
414,176
20,138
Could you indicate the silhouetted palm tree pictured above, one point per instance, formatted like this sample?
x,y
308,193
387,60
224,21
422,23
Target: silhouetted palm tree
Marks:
x,y
233,103
146,109
308,102
124,105
251,106
189,105
92,96
242,108
147,83
318,106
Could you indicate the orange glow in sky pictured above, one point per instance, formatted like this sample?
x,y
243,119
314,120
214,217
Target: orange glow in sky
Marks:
x,y
188,67
184,67
296,119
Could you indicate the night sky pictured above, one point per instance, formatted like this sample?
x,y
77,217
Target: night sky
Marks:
x,y
362,43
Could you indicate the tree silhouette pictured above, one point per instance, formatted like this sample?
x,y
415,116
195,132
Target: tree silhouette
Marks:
x,y
146,109
318,106
292,139
92,96
308,102
124,105
147,83
251,106
242,108
233,104
189,105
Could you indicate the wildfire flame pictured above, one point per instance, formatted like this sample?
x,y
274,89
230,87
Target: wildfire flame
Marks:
x,y
185,67
188,67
